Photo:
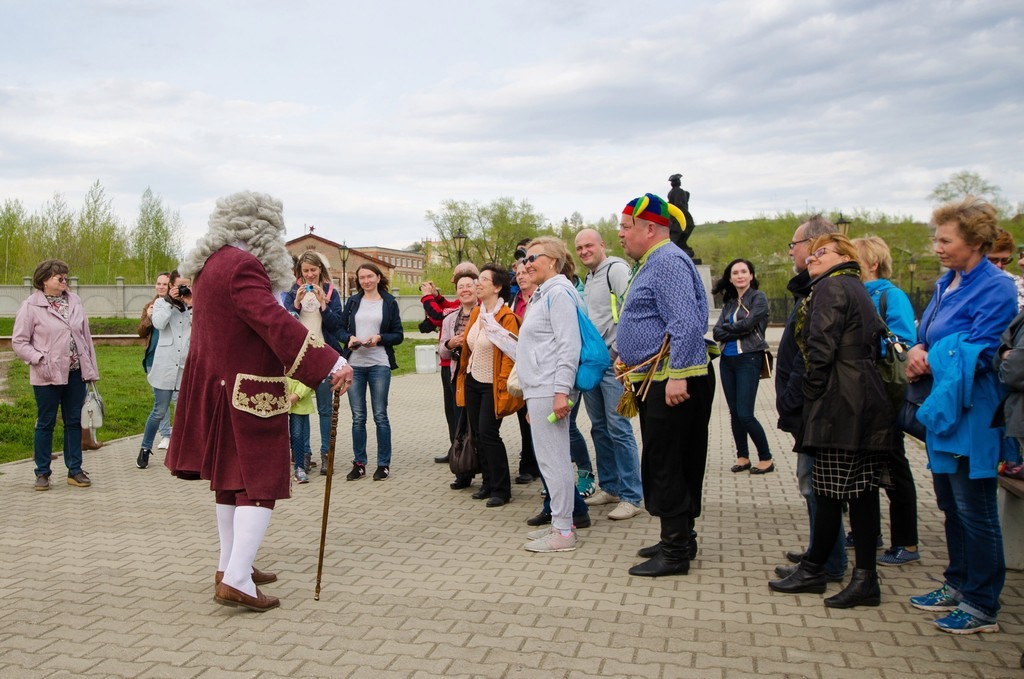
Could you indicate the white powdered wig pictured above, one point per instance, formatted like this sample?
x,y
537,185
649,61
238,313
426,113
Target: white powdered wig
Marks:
x,y
254,219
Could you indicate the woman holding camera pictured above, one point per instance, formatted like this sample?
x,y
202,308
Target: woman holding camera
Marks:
x,y
172,318
318,305
51,334
370,328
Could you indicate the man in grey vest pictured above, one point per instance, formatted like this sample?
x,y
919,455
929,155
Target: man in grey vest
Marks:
x,y
618,461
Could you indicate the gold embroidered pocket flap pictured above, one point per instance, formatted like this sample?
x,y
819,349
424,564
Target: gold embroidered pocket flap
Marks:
x,y
260,396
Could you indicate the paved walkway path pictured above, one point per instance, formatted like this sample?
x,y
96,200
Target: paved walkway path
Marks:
x,y
422,581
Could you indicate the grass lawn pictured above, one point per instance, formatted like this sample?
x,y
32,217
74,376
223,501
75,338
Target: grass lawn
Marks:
x,y
128,326
127,395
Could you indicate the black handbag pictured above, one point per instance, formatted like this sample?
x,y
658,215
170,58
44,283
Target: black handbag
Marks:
x,y
427,326
462,459
915,395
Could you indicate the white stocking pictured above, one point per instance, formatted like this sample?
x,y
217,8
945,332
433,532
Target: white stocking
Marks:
x,y
250,526
226,530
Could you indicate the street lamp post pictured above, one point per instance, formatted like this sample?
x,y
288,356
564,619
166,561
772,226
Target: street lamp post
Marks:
x,y
460,244
343,253
912,267
844,225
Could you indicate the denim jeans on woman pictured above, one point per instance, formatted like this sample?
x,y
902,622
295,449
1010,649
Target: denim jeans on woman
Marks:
x,y
298,434
159,413
324,409
69,398
618,460
974,540
740,377
378,378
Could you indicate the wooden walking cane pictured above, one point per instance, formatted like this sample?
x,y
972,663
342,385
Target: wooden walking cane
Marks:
x,y
327,493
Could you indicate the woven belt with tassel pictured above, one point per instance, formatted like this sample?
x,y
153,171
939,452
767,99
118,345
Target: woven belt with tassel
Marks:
x,y
633,394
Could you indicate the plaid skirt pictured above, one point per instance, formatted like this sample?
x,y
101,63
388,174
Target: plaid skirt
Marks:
x,y
845,474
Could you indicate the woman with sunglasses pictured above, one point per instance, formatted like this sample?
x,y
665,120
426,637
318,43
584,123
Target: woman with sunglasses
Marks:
x,y
1001,255
847,419
51,334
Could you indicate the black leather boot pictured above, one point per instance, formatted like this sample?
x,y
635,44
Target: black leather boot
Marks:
x,y
672,555
863,590
808,577
648,552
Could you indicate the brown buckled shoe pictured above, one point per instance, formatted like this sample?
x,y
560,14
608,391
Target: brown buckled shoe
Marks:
x,y
258,577
81,479
227,595
42,482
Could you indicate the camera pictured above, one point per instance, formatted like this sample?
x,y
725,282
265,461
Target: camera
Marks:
x,y
309,288
520,253
184,291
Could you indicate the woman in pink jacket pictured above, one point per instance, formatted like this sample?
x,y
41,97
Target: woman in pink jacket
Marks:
x,y
51,334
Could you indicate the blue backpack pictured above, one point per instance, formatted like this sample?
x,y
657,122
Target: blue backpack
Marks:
x,y
594,358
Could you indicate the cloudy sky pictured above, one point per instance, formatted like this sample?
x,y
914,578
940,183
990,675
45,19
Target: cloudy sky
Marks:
x,y
362,116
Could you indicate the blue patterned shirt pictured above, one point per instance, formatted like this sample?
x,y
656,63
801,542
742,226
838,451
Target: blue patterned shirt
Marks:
x,y
665,296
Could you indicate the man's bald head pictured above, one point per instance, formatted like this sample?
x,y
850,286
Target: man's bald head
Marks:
x,y
590,248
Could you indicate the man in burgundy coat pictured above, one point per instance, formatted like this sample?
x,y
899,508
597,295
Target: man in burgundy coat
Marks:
x,y
232,418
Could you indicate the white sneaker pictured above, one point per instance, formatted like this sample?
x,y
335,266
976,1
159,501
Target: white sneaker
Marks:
x,y
164,442
625,510
554,541
601,498
539,533
301,476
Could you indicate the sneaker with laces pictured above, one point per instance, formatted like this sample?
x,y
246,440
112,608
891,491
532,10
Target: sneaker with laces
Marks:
x,y
539,533
301,476
164,442
624,510
898,556
939,600
381,473
962,622
81,480
601,497
585,483
358,471
553,541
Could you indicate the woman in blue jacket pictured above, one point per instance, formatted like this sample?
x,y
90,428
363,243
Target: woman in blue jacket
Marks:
x,y
371,327
317,304
973,304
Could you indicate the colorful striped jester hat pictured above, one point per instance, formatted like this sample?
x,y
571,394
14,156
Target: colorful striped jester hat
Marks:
x,y
654,209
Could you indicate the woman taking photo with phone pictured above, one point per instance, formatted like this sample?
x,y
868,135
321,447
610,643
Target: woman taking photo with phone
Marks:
x,y
318,305
370,328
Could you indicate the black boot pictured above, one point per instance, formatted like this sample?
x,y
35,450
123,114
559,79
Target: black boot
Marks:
x,y
863,590
648,552
672,557
808,577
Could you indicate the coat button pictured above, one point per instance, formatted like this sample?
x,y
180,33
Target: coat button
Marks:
x,y
222,383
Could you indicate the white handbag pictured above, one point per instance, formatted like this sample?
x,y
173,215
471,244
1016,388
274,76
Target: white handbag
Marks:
x,y
512,385
92,409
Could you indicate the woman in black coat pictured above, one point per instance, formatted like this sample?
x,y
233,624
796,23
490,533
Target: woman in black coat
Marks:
x,y
847,419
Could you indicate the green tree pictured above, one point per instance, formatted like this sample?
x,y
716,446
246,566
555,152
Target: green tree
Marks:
x,y
492,230
966,183
101,240
14,240
156,237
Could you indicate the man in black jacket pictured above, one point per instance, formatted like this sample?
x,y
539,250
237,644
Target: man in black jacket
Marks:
x,y
789,398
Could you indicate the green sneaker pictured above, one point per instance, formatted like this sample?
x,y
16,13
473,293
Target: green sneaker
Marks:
x,y
585,483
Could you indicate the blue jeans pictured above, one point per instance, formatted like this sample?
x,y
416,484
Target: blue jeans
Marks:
x,y
974,540
740,376
324,408
160,413
577,444
298,432
69,398
378,377
836,563
618,459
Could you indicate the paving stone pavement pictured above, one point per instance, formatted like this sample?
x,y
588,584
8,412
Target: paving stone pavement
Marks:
x,y
422,581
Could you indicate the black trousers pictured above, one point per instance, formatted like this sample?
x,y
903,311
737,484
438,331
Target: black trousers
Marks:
x,y
450,409
675,454
487,432
864,521
902,499
527,458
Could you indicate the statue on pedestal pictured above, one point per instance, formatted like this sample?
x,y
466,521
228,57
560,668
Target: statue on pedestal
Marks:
x,y
678,232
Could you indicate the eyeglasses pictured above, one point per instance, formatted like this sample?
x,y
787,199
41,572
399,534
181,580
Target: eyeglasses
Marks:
x,y
61,279
819,253
1003,261
530,259
481,279
797,242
